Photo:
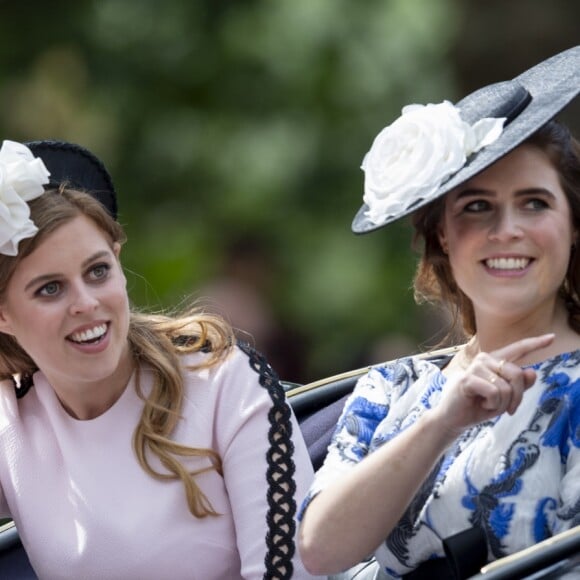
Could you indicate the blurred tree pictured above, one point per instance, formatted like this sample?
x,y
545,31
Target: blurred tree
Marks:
x,y
497,40
235,123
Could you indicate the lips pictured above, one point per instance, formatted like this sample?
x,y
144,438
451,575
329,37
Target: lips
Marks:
x,y
90,335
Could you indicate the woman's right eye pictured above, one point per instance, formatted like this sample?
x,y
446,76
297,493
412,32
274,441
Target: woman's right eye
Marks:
x,y
48,290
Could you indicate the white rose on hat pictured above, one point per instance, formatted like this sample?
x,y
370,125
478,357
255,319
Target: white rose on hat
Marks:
x,y
413,156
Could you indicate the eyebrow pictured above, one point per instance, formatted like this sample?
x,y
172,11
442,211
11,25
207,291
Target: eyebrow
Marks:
x,y
48,277
519,193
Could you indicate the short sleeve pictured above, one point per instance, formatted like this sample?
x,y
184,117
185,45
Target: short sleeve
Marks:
x,y
366,407
384,402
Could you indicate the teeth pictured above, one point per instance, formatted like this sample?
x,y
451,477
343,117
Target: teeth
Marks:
x,y
91,334
507,263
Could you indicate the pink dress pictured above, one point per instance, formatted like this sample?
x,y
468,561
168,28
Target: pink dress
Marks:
x,y
85,508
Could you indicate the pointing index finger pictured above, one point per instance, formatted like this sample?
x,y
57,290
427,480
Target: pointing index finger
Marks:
x,y
516,350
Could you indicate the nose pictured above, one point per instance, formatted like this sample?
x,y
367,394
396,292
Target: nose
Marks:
x,y
505,226
82,301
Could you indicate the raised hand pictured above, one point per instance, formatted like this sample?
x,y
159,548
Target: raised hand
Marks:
x,y
492,384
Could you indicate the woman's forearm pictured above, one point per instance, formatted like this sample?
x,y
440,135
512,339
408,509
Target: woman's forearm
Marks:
x,y
347,521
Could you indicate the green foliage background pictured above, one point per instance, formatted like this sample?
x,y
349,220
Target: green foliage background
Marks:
x,y
242,124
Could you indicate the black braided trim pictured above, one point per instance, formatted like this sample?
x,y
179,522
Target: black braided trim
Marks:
x,y
189,339
23,386
279,475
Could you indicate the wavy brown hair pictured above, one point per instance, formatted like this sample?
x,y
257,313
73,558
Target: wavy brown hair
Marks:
x,y
156,340
434,281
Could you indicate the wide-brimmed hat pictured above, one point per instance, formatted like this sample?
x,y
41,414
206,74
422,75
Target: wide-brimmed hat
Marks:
x,y
411,162
77,167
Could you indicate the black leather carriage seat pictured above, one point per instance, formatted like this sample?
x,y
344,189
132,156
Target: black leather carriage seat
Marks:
x,y
14,563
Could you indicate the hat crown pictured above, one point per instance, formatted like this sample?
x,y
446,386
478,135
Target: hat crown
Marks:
x,y
504,99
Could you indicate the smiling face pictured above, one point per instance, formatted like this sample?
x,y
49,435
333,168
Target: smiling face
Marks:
x,y
508,234
67,306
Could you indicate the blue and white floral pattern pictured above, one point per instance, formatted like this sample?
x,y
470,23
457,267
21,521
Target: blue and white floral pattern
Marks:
x,y
517,477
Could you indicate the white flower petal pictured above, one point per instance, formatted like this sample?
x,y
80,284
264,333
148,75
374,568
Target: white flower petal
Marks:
x,y
22,177
487,131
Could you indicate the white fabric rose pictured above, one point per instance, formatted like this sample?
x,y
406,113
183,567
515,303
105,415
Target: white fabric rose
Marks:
x,y
413,156
22,177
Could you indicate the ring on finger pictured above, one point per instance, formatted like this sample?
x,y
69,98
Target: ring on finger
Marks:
x,y
493,378
500,367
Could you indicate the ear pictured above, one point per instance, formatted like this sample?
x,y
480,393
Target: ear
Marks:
x,y
5,325
117,252
442,236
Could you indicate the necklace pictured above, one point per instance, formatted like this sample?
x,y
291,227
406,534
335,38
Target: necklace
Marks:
x,y
466,354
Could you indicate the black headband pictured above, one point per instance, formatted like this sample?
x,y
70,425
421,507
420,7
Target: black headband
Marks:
x,y
76,166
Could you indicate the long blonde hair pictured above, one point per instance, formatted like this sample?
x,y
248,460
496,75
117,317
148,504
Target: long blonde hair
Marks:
x,y
156,341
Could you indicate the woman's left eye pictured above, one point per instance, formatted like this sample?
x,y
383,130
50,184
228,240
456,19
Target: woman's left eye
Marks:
x,y
99,271
536,203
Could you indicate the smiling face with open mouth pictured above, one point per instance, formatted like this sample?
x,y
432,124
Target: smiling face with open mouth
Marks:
x,y
67,305
508,233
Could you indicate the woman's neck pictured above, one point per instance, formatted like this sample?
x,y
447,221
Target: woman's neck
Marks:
x,y
493,334
85,401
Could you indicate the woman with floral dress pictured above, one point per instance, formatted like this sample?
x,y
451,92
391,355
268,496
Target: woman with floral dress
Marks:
x,y
485,448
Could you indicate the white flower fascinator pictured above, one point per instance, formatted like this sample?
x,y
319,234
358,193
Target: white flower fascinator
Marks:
x,y
22,177
411,158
